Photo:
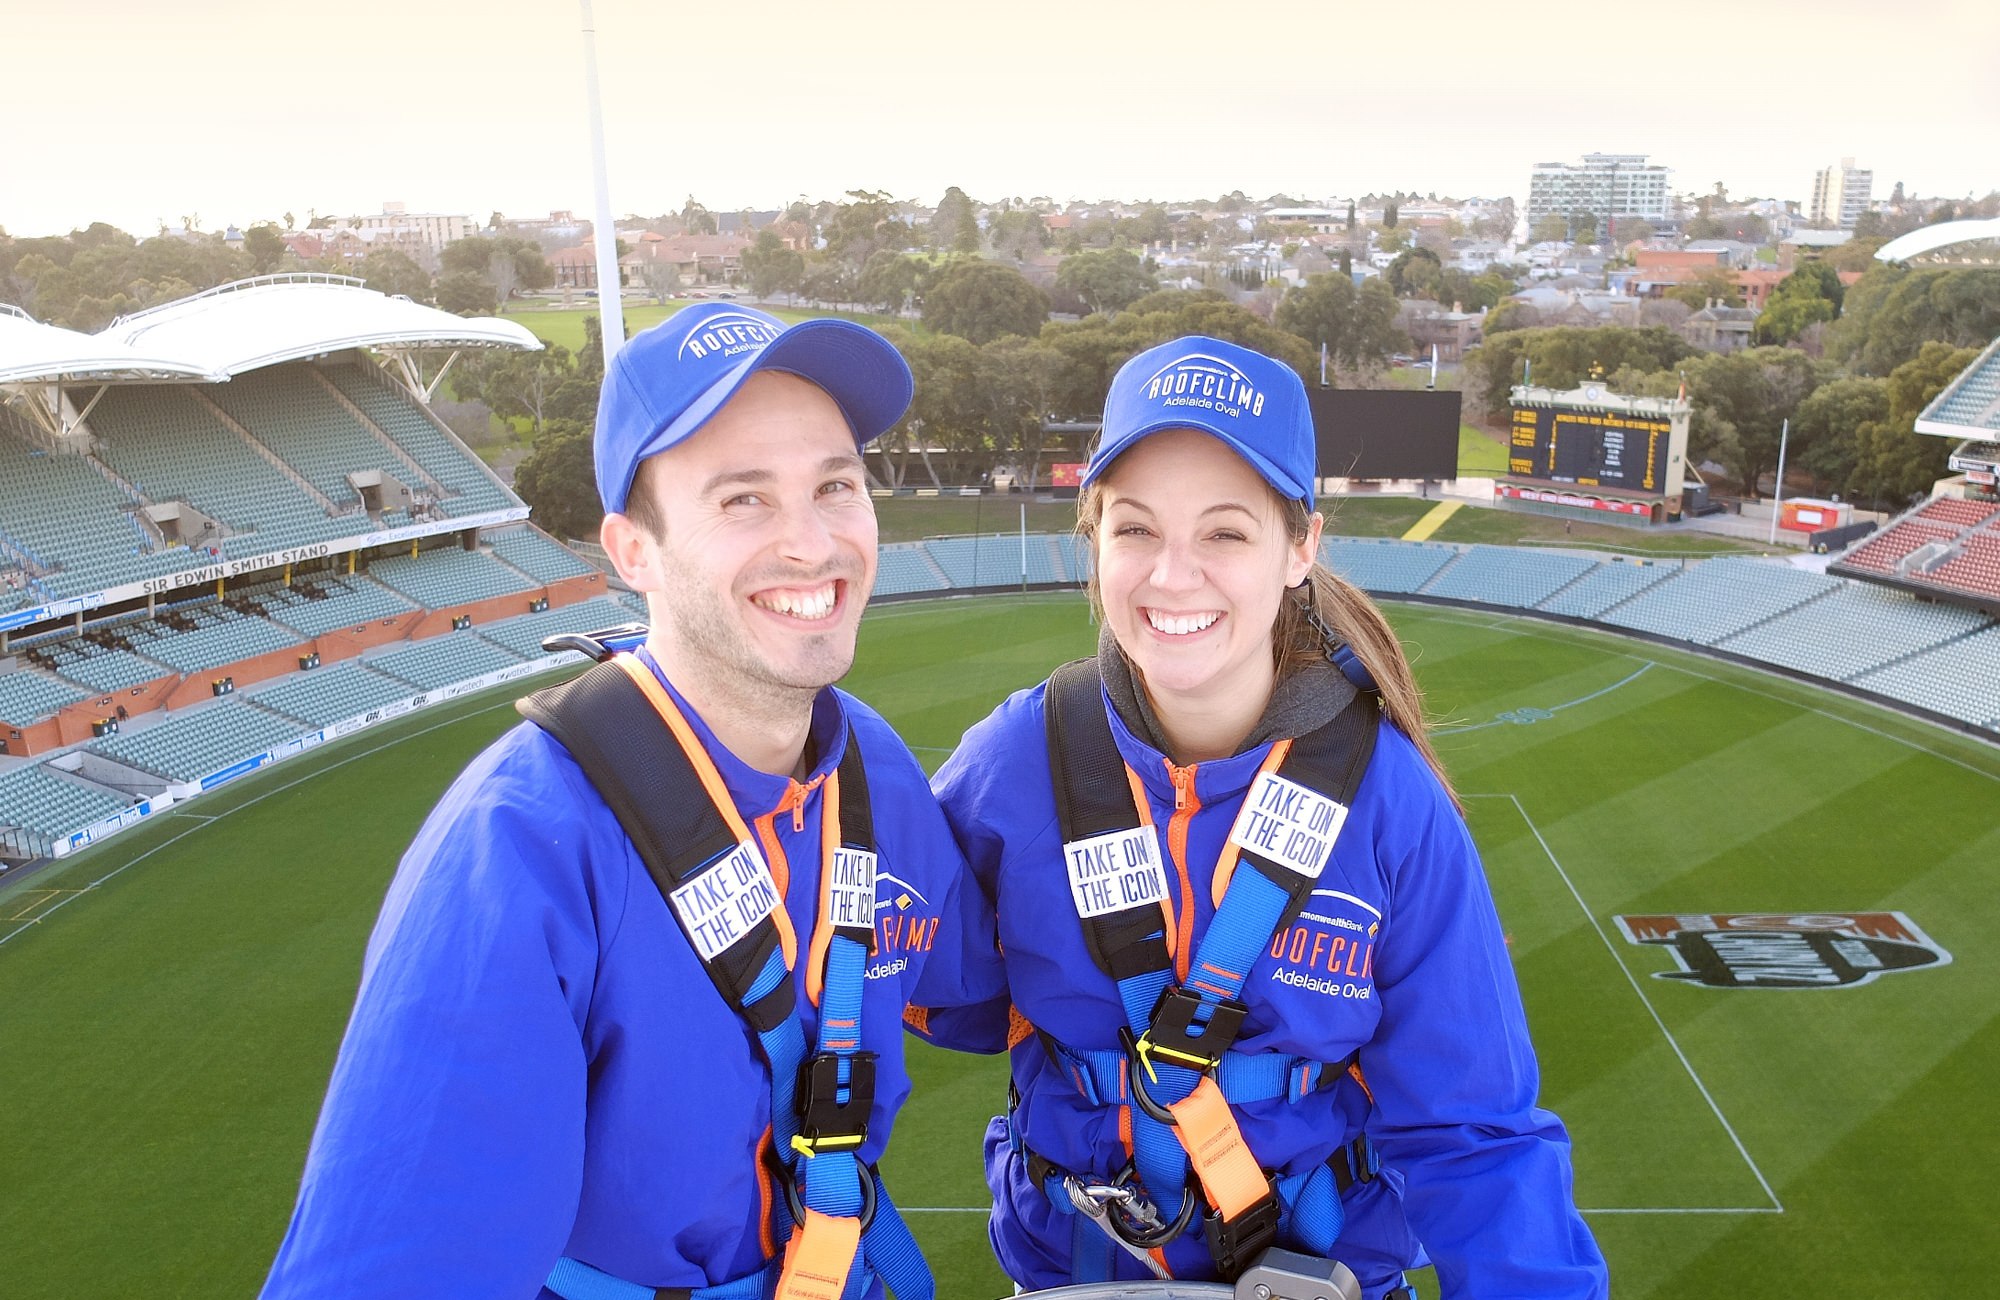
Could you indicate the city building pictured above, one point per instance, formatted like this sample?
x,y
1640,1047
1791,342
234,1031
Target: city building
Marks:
x,y
1840,195
1602,184
396,225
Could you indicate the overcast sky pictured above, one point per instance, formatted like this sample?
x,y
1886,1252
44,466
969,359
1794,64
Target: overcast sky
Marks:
x,y
139,112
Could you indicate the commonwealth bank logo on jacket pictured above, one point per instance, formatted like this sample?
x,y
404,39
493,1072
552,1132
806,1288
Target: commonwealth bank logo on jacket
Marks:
x,y
906,923
1330,949
1205,381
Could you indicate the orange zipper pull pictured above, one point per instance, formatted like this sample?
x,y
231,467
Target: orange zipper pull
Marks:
x,y
1183,779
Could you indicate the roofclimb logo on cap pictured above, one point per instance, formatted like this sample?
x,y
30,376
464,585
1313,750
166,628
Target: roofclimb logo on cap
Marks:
x,y
730,333
1207,382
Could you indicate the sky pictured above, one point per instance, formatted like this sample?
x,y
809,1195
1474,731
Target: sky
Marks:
x,y
141,113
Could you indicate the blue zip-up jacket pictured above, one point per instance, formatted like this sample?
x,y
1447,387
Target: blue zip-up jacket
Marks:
x,y
537,1064
1398,956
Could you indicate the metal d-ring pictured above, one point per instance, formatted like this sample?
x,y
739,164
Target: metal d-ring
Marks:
x,y
1136,1233
866,1173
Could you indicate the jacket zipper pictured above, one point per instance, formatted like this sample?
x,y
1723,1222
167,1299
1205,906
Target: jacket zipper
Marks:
x,y
1186,805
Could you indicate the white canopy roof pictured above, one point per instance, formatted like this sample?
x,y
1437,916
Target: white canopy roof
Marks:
x,y
31,351
262,322
1929,239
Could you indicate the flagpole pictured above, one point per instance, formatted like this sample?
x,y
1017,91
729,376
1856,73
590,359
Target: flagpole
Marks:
x,y
1778,487
610,296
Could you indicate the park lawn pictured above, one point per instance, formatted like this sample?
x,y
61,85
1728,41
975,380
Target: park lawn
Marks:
x,y
1480,454
1510,528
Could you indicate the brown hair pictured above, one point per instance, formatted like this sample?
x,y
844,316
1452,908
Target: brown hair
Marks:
x,y
1342,607
640,507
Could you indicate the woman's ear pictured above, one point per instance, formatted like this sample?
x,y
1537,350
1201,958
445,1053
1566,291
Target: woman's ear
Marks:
x,y
1305,552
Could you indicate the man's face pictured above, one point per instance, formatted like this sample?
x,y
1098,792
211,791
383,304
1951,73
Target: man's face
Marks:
x,y
768,552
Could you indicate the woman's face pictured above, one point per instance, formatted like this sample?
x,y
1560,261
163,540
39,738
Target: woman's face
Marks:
x,y
1192,560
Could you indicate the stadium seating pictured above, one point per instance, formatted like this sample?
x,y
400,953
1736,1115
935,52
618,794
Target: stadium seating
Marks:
x,y
1881,551
1960,679
538,556
469,488
339,603
71,523
325,696
447,576
522,635
39,801
1957,511
1975,567
903,568
1075,556
220,636
1606,585
1974,396
1380,564
193,743
27,696
1854,630
443,660
164,442
1499,575
286,409
1710,601
991,560
101,669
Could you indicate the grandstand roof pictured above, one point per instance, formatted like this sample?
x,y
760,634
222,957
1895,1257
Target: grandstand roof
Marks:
x,y
1929,239
1968,406
274,318
30,350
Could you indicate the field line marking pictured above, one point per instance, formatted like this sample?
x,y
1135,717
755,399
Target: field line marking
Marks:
x,y
253,800
946,1209
1731,1209
1505,720
1777,1205
1524,625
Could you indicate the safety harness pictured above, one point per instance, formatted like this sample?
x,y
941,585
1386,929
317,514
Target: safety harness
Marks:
x,y
837,1223
1178,1074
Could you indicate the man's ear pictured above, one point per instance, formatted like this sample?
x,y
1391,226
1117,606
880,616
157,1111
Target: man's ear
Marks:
x,y
632,552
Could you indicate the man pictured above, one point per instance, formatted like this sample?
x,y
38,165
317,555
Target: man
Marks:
x,y
544,1083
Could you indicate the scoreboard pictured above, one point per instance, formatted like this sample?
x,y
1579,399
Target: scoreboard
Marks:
x,y
1591,448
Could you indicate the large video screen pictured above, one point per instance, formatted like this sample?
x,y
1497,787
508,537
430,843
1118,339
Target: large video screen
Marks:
x,y
1385,433
1589,448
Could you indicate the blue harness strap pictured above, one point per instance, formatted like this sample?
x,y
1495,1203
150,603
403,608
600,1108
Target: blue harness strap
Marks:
x,y
820,1100
1176,1034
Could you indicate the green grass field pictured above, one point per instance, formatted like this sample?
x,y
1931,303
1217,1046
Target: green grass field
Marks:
x,y
170,1002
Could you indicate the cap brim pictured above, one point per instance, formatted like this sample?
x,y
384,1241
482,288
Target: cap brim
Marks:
x,y
1281,482
862,371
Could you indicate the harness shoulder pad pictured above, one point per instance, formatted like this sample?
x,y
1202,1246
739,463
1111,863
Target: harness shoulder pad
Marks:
x,y
1093,799
1329,760
612,731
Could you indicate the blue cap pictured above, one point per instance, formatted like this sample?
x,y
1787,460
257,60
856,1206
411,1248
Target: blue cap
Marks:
x,y
1256,405
667,381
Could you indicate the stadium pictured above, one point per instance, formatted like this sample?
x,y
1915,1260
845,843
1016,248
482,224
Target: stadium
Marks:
x,y
258,605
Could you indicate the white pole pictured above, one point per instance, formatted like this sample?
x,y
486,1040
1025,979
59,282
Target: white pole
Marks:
x,y
610,301
1024,546
1778,487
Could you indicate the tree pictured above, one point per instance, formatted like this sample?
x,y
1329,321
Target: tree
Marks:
x,y
980,301
696,219
1828,429
663,278
392,271
463,293
771,267
955,223
1889,315
858,230
265,248
1741,402
590,359
1808,296
1634,230
558,480
1356,325
1350,216
1711,284
1414,274
1583,227
1564,356
1021,379
1107,280
1018,232
888,280
1551,229
1892,460
1390,214
518,384
1394,239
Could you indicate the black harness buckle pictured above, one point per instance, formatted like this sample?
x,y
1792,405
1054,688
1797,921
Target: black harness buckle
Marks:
x,y
1235,1243
1173,1036
826,1123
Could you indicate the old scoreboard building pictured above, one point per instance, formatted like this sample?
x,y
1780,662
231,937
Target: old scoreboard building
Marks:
x,y
1589,452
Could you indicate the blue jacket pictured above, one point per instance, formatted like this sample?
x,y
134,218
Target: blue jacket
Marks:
x,y
1398,955
537,1064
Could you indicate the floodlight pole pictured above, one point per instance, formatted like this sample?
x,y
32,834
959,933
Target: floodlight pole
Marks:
x,y
1778,486
610,295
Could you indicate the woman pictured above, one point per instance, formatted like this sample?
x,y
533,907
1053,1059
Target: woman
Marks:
x,y
1251,952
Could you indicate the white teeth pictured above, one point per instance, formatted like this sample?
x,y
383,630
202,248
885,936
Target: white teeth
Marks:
x,y
807,605
1180,624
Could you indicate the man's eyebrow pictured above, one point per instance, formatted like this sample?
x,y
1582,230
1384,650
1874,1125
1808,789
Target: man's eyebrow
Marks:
x,y
738,478
844,460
